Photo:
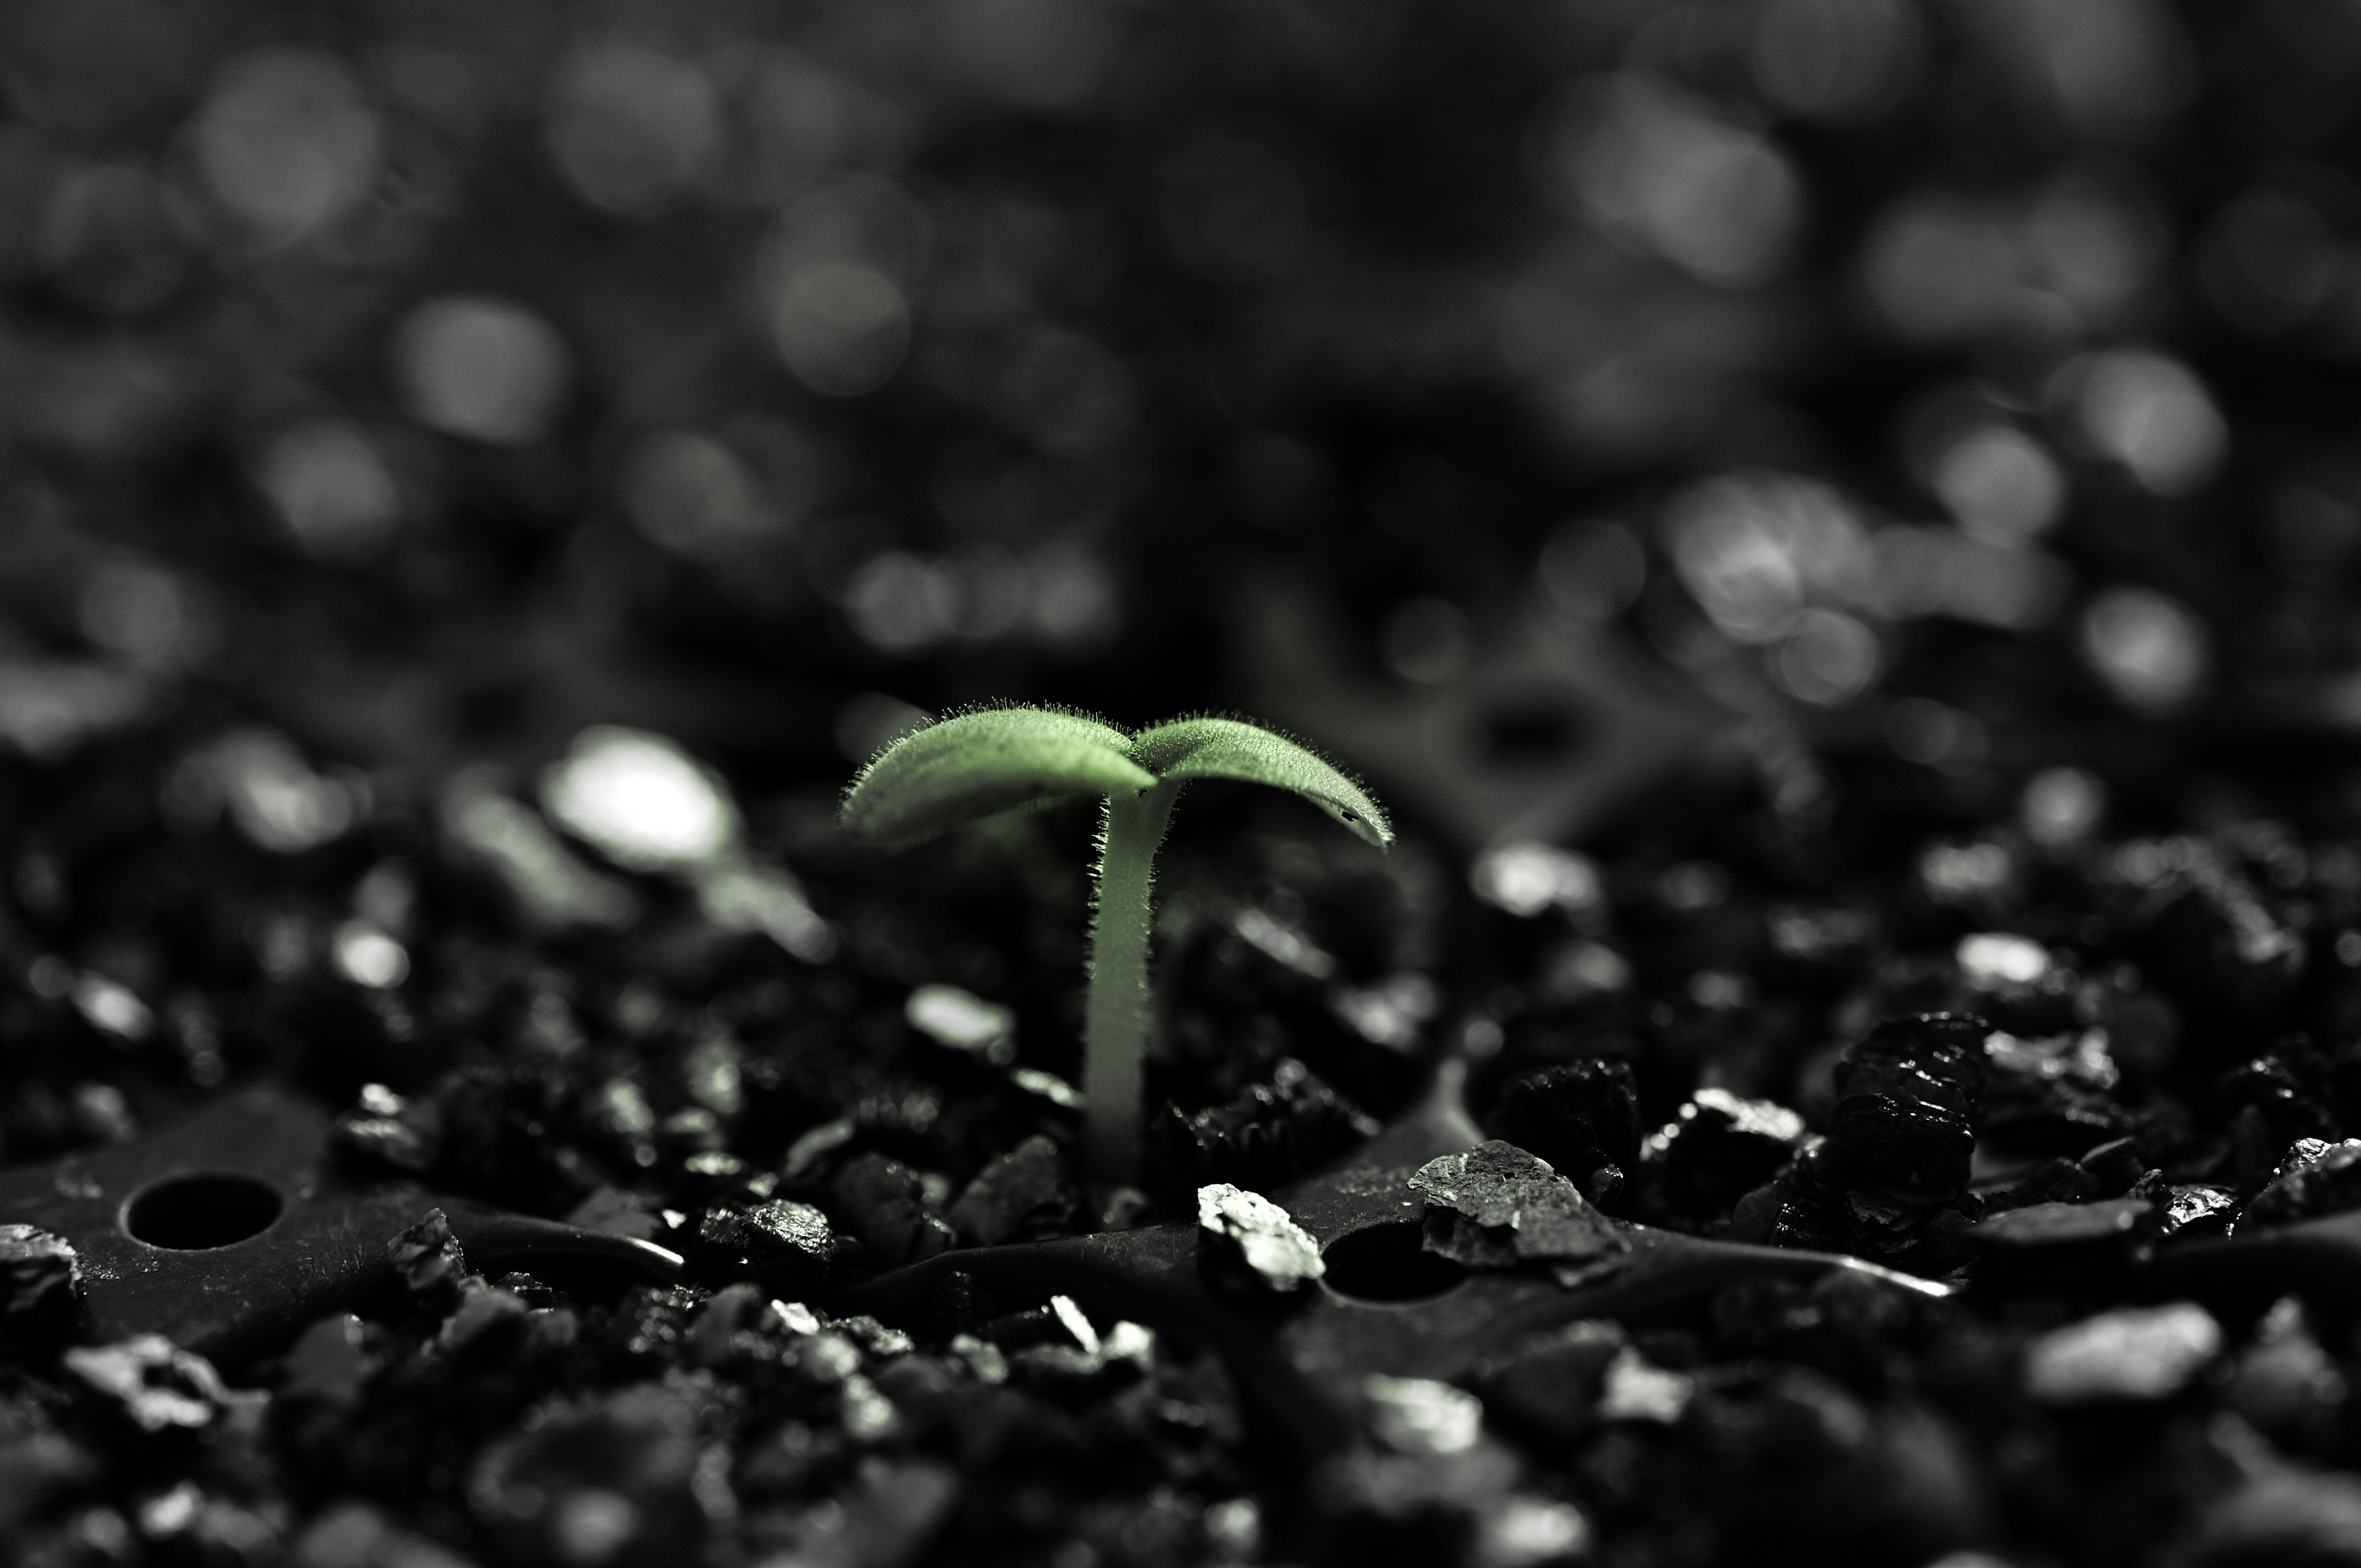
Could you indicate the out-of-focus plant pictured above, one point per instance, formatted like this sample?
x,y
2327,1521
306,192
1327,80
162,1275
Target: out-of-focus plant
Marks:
x,y
997,759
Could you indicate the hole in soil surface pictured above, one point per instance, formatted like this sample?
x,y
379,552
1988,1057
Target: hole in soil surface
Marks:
x,y
193,1213
1386,1263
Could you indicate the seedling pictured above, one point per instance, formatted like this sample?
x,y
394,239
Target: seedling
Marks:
x,y
997,759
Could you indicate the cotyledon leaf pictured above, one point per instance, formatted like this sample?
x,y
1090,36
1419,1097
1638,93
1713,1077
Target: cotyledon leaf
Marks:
x,y
1231,748
973,764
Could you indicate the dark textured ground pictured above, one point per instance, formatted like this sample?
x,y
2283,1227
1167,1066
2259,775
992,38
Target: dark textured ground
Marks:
x,y
1812,511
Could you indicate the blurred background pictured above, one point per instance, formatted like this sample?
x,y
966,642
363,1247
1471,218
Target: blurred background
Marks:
x,y
1805,509
423,383
1876,404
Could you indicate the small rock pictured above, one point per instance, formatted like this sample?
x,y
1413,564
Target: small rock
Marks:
x,y
1246,1236
816,1143
1036,1326
1524,1532
1637,1389
216,1526
389,1129
329,1365
1579,1116
1267,1136
1418,1415
2018,984
2285,1383
549,1330
825,1360
2055,1180
1126,1209
1720,1147
734,1309
1495,1206
2211,925
712,1176
355,1535
2281,1098
429,1258
2114,1167
534,1292
1405,1495
1077,1322
37,1466
651,1325
487,1318
2069,1247
2046,1226
2196,1210
2282,1516
152,1382
886,1521
618,1113
1990,960
1907,1102
2051,1094
964,1022
873,1337
346,1535
586,1482
885,1201
1021,1196
2315,1178
783,1245
788,1459
40,1282
1234,1529
1552,1381
867,1416
1047,1085
982,1357
2137,1354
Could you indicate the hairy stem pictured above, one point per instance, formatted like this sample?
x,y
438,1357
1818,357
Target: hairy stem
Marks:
x,y
1115,1031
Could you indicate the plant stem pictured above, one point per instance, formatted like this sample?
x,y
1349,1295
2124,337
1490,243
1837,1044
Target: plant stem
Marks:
x,y
1115,1029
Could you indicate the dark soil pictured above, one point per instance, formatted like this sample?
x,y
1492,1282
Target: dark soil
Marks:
x,y
1830,523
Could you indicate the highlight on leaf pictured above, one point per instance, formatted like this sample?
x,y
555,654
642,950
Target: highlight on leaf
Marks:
x,y
973,764
1232,749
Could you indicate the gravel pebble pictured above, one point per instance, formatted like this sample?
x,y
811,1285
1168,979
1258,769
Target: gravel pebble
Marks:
x,y
2138,1353
1245,1236
1496,1205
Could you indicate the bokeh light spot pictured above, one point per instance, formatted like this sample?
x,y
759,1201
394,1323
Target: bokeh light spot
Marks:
x,y
2152,415
330,489
1427,641
2062,805
1714,199
2000,484
640,800
899,603
2151,651
631,127
1043,55
1592,570
287,142
692,495
480,368
1827,658
1837,60
1752,549
841,327
108,239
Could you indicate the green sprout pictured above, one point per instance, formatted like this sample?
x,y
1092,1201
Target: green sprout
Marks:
x,y
998,759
